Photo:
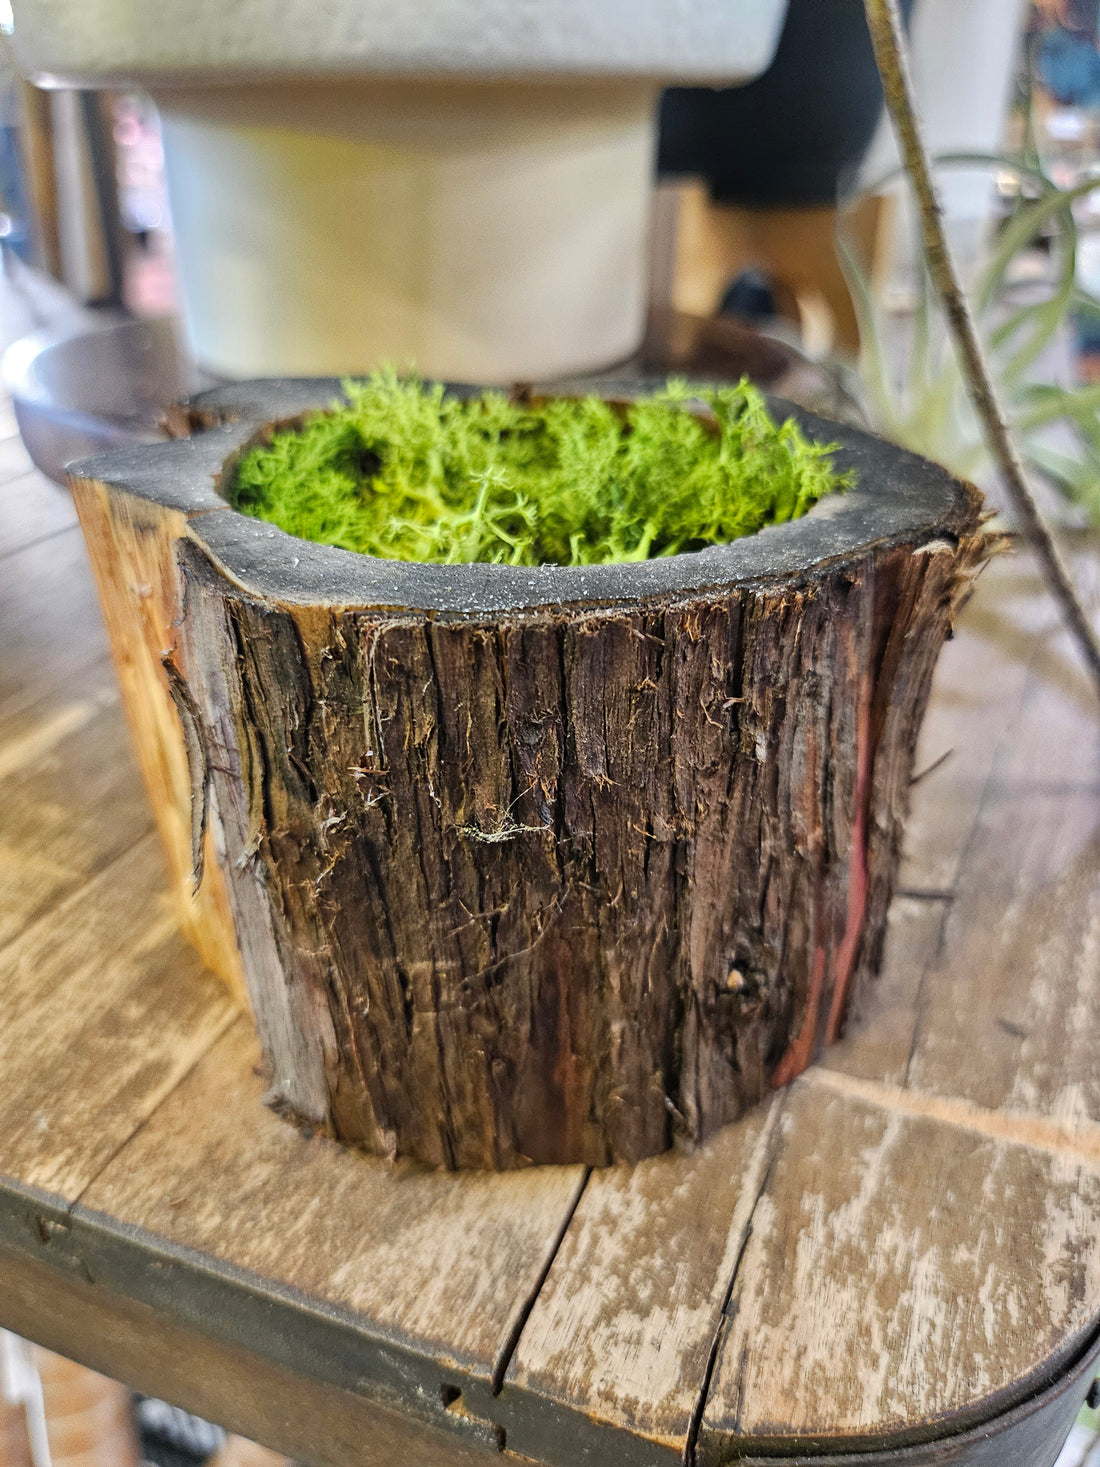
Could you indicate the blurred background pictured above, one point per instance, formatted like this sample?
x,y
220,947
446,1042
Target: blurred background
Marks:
x,y
188,198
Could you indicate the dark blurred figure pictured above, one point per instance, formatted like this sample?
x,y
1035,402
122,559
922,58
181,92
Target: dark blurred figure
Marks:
x,y
798,133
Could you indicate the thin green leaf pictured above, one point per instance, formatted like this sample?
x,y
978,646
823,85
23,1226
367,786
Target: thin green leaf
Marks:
x,y
1020,231
874,364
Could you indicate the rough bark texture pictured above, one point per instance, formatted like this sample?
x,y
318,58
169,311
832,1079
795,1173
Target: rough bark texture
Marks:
x,y
549,879
561,887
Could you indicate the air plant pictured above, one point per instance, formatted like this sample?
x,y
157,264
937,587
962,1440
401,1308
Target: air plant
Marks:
x,y
920,399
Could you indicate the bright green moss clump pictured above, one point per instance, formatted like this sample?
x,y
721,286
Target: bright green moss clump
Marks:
x,y
404,473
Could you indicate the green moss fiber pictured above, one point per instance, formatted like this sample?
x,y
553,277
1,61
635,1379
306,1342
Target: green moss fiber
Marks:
x,y
402,472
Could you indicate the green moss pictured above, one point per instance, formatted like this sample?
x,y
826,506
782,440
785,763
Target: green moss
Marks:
x,y
404,473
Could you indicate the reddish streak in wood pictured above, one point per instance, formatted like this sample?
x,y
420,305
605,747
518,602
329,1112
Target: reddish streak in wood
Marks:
x,y
800,1051
845,960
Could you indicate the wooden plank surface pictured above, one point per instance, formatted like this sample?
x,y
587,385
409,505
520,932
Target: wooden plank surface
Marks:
x,y
32,509
622,1330
64,759
63,762
1024,927
51,627
440,1264
905,1272
129,1012
937,1182
903,1242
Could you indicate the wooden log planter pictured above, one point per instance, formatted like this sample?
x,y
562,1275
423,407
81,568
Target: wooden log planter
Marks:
x,y
527,865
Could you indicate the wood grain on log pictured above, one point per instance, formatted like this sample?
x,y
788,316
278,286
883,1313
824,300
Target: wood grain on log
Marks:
x,y
543,865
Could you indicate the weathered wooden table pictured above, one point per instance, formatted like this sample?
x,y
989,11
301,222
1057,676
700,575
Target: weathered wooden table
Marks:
x,y
896,1260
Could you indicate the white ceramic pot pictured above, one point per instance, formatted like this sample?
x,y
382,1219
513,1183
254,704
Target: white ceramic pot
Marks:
x,y
459,183
487,233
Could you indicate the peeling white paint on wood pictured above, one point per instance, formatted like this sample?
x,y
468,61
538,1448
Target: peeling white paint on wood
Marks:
x,y
898,1268
627,1314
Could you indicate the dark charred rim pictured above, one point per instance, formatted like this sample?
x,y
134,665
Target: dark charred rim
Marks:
x,y
899,498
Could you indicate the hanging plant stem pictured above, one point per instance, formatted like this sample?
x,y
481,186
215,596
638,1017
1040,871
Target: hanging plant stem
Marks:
x,y
891,56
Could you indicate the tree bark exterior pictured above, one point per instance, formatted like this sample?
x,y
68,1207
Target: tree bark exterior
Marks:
x,y
567,878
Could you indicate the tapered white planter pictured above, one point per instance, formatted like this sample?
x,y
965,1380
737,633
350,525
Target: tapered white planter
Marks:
x,y
489,233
